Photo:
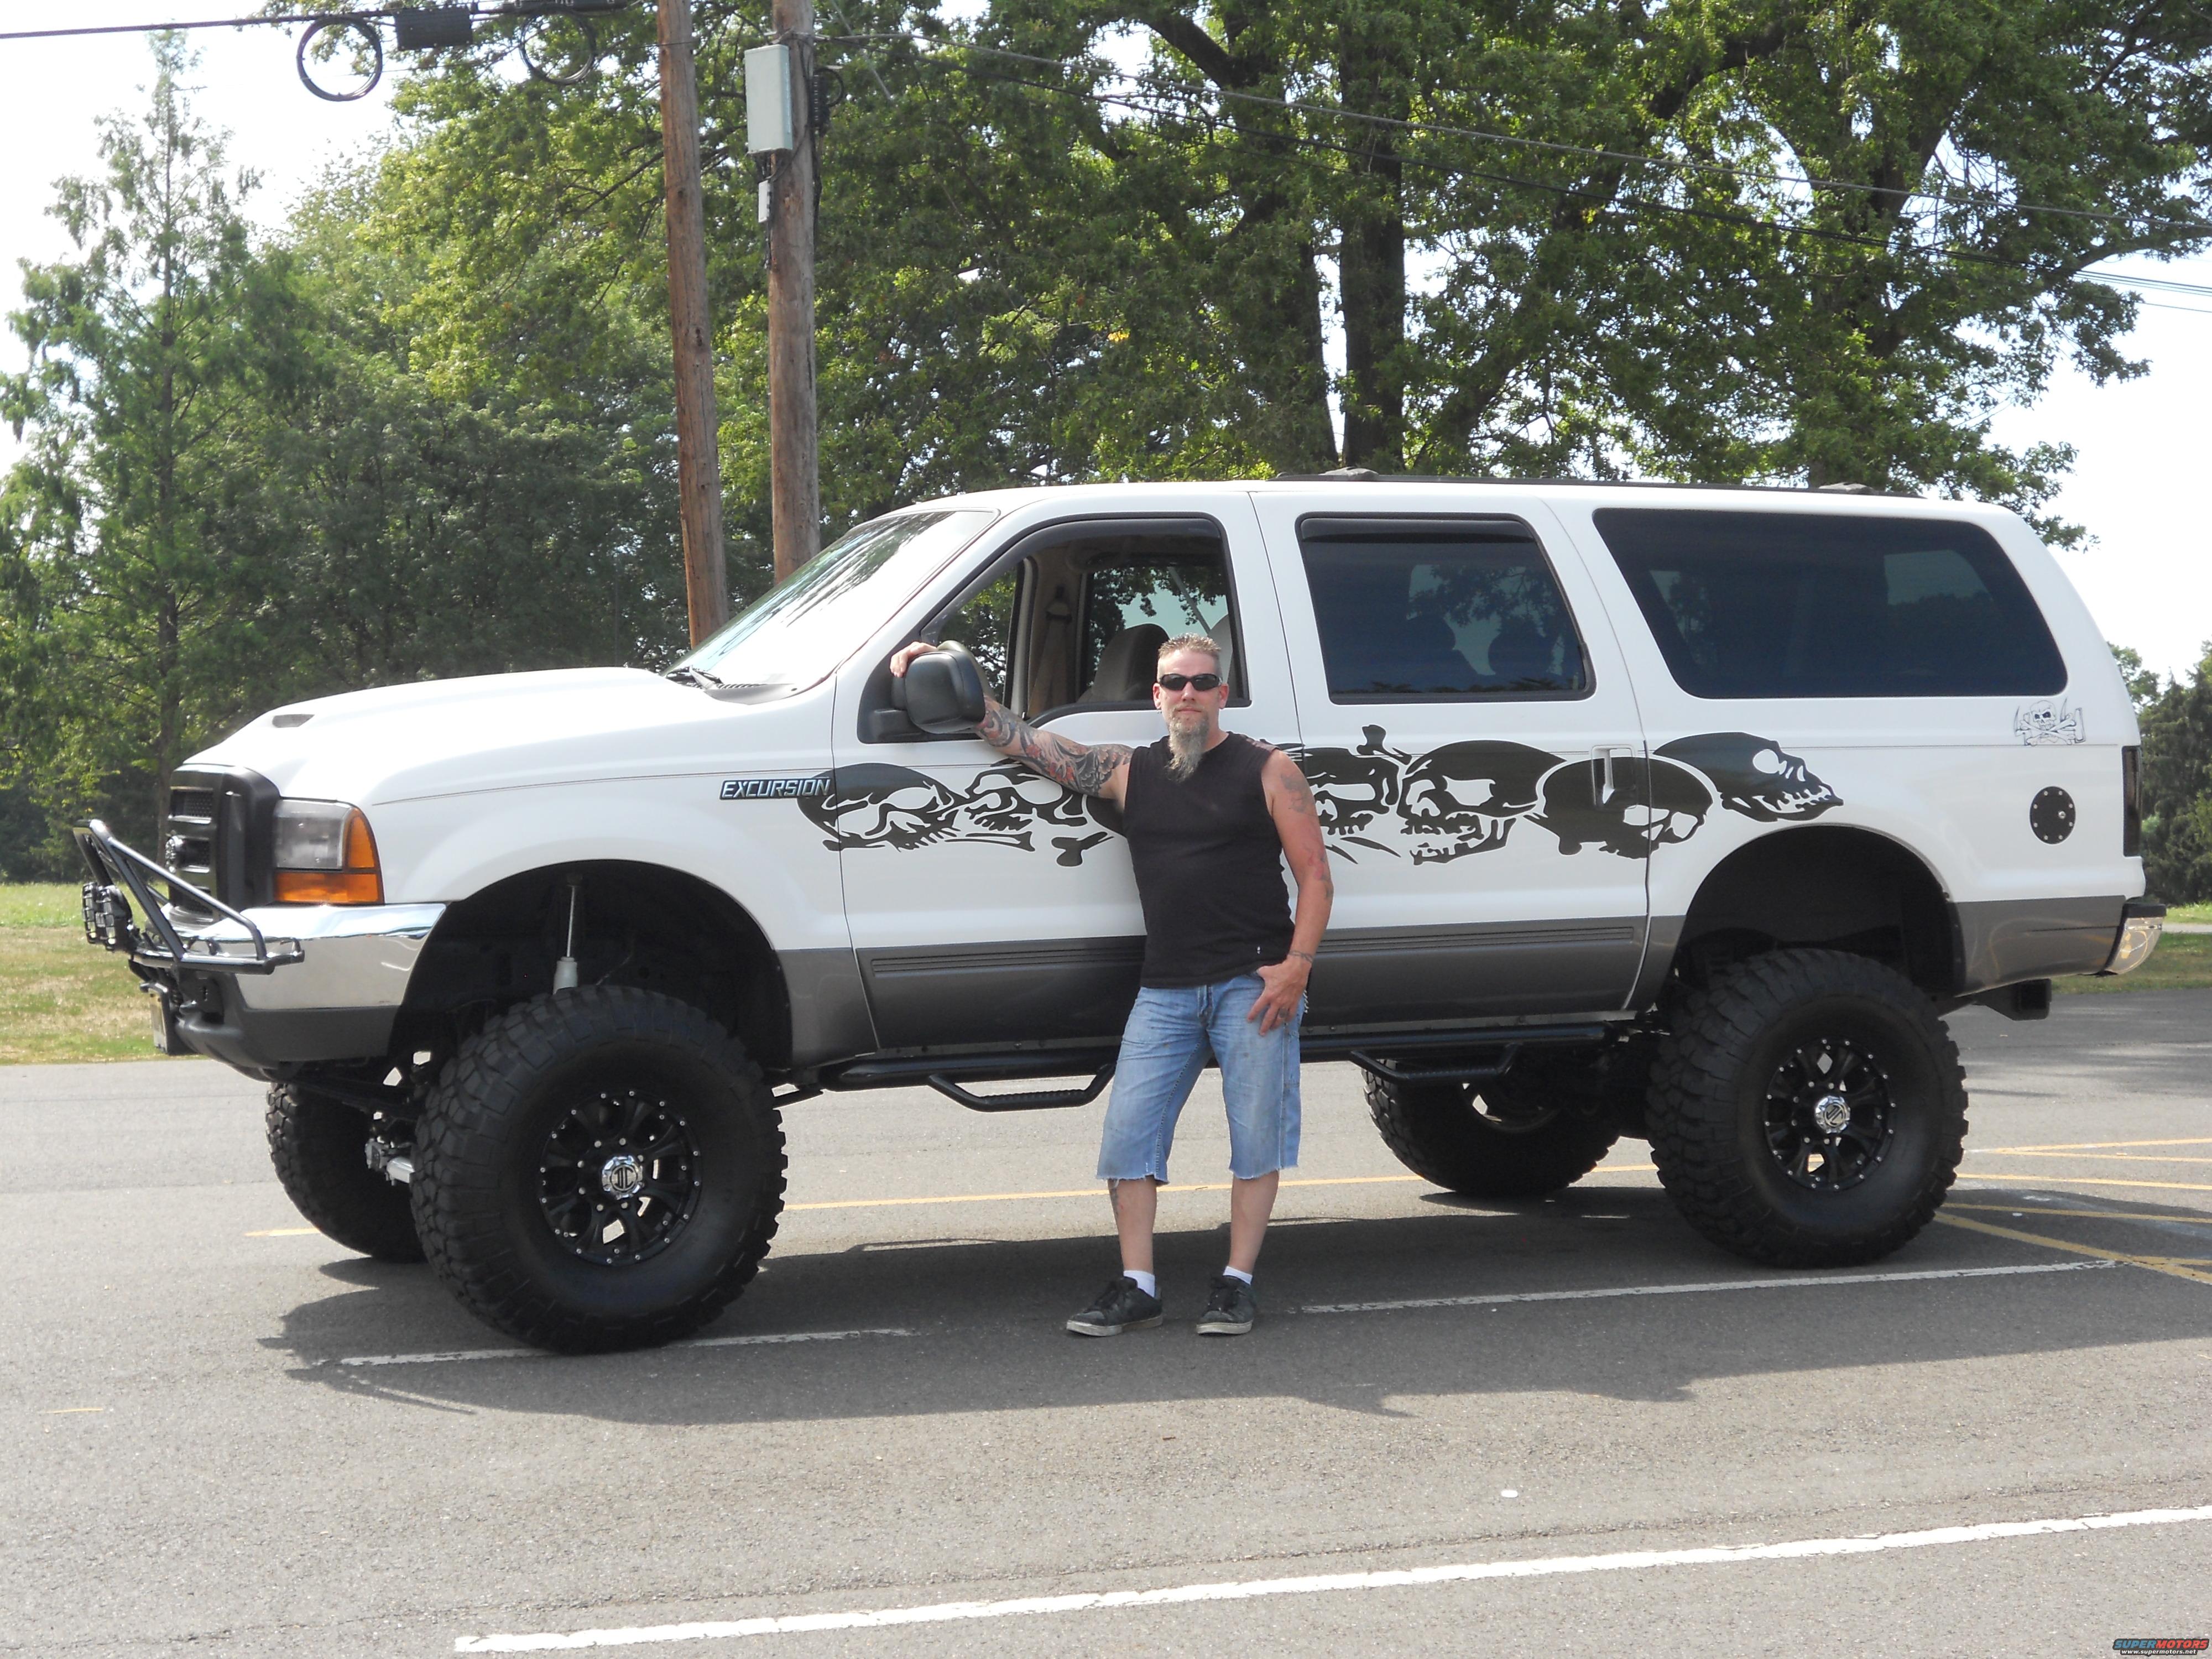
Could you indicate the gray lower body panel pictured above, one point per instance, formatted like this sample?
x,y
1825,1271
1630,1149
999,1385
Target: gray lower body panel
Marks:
x,y
829,1006
1018,991
1384,976
2002,941
1059,990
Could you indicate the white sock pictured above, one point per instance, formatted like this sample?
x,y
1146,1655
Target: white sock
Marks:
x,y
1237,1272
1145,1282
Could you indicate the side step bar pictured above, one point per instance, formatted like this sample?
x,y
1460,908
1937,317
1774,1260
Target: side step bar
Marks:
x,y
1469,1056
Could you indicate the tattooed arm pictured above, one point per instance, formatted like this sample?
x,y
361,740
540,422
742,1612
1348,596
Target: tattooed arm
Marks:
x,y
1089,768
1291,805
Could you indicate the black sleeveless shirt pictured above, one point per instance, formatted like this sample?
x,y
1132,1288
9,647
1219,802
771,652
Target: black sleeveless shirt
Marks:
x,y
1208,863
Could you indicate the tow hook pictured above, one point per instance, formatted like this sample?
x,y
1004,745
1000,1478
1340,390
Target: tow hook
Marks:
x,y
394,1165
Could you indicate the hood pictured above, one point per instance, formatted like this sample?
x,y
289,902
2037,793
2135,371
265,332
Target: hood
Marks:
x,y
498,732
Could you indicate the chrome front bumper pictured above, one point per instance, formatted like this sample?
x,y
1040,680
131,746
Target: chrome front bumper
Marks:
x,y
349,956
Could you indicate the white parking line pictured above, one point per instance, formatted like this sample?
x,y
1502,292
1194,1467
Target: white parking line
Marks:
x,y
1808,1281
457,1356
1625,1561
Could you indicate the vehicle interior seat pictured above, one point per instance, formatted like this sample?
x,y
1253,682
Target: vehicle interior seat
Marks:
x,y
1126,665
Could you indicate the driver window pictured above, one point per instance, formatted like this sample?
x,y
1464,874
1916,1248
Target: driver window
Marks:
x,y
984,624
1133,606
1079,623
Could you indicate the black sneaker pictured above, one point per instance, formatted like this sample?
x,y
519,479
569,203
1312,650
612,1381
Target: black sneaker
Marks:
x,y
1229,1309
1121,1306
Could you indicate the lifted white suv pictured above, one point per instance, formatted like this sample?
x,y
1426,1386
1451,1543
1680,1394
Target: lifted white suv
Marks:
x,y
1676,813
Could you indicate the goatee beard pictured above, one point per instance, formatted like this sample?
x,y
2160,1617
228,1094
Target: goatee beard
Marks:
x,y
1186,748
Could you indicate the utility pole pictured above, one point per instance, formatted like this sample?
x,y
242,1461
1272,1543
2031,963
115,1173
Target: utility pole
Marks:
x,y
698,455
794,469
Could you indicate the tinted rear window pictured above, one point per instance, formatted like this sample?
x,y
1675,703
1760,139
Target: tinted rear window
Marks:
x,y
1440,609
1773,604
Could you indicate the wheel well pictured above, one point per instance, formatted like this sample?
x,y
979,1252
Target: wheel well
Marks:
x,y
1848,889
643,925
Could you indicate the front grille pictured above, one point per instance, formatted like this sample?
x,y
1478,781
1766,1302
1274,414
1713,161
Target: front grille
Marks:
x,y
217,832
188,846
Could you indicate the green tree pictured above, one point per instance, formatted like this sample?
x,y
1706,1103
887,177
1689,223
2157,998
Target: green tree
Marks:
x,y
159,355
1030,272
2177,786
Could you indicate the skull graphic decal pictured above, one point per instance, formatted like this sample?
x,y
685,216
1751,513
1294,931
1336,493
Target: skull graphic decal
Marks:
x,y
1651,805
1456,800
2048,724
876,804
1466,797
1352,787
1755,776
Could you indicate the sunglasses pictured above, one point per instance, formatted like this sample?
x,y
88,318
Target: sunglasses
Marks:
x,y
1195,682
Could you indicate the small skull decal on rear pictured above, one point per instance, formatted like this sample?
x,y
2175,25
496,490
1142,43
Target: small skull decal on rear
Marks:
x,y
1755,776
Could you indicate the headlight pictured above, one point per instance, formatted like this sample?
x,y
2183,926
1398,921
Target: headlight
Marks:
x,y
326,854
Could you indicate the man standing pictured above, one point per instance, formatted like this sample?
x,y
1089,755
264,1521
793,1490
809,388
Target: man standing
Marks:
x,y
1210,816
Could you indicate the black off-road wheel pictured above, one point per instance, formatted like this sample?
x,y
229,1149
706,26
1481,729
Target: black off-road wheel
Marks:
x,y
1808,1109
598,1169
319,1147
1510,1139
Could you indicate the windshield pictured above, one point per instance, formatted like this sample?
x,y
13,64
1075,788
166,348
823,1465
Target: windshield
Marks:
x,y
796,632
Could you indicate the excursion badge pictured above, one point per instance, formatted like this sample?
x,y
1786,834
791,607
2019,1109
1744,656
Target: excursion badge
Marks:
x,y
774,788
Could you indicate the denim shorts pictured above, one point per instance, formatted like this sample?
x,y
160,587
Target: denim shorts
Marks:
x,y
1170,1037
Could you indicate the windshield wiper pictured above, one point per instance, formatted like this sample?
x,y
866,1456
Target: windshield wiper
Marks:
x,y
685,674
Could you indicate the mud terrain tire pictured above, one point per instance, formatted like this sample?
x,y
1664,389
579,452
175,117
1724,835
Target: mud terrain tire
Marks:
x,y
1740,1086
598,1169
318,1145
1504,1141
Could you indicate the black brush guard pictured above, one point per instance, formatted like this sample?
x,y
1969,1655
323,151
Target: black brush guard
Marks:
x,y
120,876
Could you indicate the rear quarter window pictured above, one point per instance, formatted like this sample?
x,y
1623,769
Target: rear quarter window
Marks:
x,y
1775,604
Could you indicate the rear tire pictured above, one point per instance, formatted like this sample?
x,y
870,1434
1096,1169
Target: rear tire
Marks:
x,y
1808,1109
319,1147
598,1169
1508,1140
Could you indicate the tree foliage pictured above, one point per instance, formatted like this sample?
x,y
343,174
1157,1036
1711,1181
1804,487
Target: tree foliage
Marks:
x,y
2177,779
425,430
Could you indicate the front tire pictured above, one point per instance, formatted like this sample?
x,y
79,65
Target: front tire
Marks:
x,y
598,1169
1808,1109
1506,1140
320,1148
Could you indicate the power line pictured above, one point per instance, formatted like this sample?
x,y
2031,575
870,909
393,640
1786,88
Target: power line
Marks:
x,y
512,9
196,23
1683,164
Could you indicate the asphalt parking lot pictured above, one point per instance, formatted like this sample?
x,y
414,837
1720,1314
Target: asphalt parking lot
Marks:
x,y
1508,1428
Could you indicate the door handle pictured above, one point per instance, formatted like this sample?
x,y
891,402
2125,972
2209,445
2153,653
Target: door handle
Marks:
x,y
1601,759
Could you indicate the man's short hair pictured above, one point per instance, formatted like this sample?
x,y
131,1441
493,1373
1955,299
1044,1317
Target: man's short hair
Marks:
x,y
1191,642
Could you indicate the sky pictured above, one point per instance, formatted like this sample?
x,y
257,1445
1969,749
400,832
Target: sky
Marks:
x,y
2147,574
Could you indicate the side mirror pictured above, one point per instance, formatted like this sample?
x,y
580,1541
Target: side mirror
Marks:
x,y
942,691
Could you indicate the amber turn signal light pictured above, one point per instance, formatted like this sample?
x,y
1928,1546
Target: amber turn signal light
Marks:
x,y
359,881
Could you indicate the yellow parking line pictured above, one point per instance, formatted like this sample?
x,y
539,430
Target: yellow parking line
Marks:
x,y
72,1411
1071,1192
2045,1178
1098,1191
2086,1157
2094,1146
2200,1220
2156,1264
